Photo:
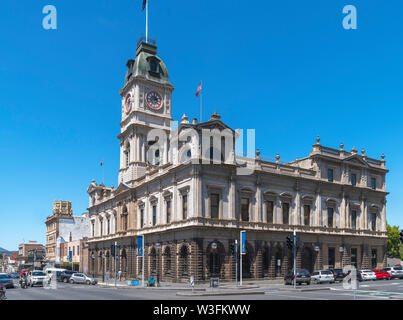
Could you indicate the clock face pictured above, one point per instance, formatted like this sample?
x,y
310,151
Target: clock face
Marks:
x,y
128,103
154,100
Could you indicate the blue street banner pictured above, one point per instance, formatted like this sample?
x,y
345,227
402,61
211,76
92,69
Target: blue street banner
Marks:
x,y
140,246
243,248
70,256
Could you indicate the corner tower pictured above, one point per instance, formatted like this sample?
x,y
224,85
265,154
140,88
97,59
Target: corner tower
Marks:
x,y
146,105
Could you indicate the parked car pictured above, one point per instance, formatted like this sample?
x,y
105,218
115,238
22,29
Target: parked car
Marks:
x,y
322,276
395,272
82,278
381,274
302,276
6,281
65,276
37,277
338,274
365,275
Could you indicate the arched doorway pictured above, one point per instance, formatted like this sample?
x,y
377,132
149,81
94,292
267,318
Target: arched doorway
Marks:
x,y
265,261
247,260
215,256
278,263
307,259
153,262
124,263
167,261
184,261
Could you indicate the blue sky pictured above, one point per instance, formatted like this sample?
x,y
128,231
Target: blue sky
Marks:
x,y
285,68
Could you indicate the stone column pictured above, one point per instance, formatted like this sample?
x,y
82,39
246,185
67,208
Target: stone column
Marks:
x,y
318,211
258,213
348,215
297,218
232,198
277,210
343,212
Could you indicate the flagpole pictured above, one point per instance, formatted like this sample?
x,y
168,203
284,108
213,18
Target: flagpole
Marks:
x,y
147,21
103,163
201,100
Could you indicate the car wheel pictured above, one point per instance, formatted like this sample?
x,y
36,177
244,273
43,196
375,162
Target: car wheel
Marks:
x,y
308,283
88,282
71,281
65,280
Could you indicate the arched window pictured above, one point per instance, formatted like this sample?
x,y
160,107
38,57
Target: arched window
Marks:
x,y
307,214
153,261
184,260
168,261
286,213
127,154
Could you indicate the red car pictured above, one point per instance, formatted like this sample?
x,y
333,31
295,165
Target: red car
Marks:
x,y
381,274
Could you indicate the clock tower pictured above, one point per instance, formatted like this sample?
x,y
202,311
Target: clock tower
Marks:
x,y
146,105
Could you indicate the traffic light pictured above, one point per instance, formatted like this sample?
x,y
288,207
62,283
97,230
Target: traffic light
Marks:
x,y
401,236
232,248
112,250
290,241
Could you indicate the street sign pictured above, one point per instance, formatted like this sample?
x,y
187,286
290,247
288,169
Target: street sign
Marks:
x,y
243,248
70,256
140,246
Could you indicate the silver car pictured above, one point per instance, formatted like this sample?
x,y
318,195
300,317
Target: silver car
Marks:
x,y
37,277
82,278
395,272
322,276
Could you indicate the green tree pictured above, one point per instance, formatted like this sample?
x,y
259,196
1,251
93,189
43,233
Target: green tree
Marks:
x,y
393,241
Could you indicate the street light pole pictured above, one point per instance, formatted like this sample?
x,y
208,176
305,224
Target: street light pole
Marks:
x,y
295,258
236,262
116,244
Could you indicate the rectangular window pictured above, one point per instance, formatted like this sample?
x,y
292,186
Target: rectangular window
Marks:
x,y
353,179
78,250
330,212
372,217
93,228
142,217
214,205
307,215
331,257
353,219
109,225
168,211
154,215
286,213
330,175
74,251
102,228
269,211
245,209
185,206
373,183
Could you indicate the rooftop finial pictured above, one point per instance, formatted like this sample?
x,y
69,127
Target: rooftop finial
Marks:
x,y
341,146
362,151
317,139
184,119
277,158
354,150
215,116
383,156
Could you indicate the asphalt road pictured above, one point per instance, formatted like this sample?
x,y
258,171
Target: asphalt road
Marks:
x,y
374,290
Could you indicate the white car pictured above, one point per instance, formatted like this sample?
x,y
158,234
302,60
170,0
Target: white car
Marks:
x,y
395,272
37,277
367,275
322,276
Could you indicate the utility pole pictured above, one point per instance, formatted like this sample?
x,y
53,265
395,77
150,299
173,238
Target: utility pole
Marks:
x,y
295,258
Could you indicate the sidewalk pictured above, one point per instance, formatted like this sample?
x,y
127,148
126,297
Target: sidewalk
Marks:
x,y
198,287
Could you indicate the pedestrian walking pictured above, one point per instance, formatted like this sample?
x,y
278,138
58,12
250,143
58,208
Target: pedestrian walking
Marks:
x,y
120,275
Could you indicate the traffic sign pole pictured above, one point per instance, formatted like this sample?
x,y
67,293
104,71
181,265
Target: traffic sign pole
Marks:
x,y
116,244
236,262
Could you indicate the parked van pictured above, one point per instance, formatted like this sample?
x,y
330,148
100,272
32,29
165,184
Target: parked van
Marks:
x,y
51,271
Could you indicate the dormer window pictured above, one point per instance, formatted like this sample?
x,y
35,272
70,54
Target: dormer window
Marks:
x,y
155,68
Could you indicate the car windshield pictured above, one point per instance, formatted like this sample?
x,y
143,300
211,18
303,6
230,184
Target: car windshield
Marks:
x,y
366,271
38,273
398,268
4,276
326,272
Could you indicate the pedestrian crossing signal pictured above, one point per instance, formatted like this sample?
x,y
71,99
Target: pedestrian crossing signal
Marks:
x,y
290,241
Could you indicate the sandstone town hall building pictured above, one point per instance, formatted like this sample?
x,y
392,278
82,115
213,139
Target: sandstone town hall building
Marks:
x,y
191,212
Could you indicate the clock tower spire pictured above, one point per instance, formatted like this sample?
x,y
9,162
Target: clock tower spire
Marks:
x,y
146,105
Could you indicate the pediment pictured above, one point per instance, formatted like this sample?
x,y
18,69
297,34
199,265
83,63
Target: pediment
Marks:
x,y
122,187
357,160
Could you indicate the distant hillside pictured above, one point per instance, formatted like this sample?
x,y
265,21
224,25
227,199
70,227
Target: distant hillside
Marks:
x,y
4,251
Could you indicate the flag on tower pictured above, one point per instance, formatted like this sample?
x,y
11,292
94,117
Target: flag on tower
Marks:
x,y
144,4
199,89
